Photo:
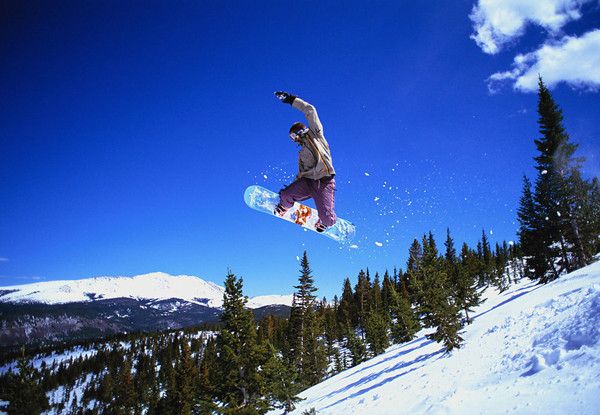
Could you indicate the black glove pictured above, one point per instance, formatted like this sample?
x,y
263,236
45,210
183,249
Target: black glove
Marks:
x,y
285,97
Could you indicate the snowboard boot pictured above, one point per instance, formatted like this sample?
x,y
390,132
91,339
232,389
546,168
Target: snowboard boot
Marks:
x,y
280,210
319,227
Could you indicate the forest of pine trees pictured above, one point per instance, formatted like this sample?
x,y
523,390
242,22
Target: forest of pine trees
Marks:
x,y
245,366
250,367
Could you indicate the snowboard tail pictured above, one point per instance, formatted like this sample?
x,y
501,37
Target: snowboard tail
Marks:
x,y
264,200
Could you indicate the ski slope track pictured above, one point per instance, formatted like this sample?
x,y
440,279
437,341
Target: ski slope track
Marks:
x,y
534,349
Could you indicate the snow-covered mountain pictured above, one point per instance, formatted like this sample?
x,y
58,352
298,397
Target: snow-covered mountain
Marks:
x,y
55,311
531,350
155,286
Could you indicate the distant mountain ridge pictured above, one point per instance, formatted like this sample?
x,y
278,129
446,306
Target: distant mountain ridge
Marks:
x,y
152,286
56,311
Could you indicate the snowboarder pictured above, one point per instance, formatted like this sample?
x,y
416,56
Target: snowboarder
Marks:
x,y
315,177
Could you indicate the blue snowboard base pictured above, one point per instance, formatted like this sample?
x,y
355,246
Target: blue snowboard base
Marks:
x,y
264,200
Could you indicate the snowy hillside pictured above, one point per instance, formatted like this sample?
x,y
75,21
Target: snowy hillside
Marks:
x,y
155,286
531,350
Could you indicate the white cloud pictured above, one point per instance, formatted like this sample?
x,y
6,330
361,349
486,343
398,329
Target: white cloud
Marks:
x,y
3,259
573,60
498,22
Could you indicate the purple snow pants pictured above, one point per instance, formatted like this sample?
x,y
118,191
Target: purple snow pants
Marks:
x,y
322,191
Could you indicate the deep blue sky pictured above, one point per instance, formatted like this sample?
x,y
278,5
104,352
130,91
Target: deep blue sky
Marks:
x,y
128,133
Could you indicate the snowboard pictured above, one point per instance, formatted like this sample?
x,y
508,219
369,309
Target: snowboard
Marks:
x,y
264,200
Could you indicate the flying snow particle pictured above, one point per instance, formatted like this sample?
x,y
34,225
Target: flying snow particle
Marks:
x,y
558,213
367,174
354,246
265,176
544,171
491,232
379,244
297,258
375,199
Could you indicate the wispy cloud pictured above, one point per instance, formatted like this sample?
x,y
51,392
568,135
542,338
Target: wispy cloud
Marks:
x,y
6,280
573,60
499,22
3,259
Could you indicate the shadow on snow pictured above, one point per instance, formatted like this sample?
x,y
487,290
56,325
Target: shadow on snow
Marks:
x,y
373,376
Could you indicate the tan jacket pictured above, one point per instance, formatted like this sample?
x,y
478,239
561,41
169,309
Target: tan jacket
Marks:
x,y
314,158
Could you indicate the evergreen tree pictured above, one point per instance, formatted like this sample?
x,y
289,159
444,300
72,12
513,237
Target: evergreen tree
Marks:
x,y
466,292
26,395
126,398
415,258
357,347
450,259
187,382
528,225
346,311
306,353
361,299
376,332
487,260
315,359
386,287
239,386
281,387
436,301
376,325
558,226
405,322
375,296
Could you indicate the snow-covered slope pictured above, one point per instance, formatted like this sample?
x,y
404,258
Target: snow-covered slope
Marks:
x,y
531,350
156,285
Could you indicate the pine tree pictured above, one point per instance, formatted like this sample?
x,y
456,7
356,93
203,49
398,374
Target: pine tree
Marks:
x,y
415,259
346,311
361,299
487,259
527,216
376,325
357,347
557,223
386,292
436,301
26,395
126,398
281,386
306,352
376,332
186,379
208,376
238,384
405,322
466,292
450,259
375,296
315,358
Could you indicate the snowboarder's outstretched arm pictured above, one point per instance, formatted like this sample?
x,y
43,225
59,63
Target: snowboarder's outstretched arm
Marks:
x,y
309,111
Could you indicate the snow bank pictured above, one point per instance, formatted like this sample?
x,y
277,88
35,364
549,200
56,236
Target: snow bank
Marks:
x,y
530,350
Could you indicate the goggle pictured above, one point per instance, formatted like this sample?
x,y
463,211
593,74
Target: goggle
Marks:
x,y
294,135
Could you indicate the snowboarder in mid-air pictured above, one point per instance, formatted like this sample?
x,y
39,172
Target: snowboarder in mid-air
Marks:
x,y
315,177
